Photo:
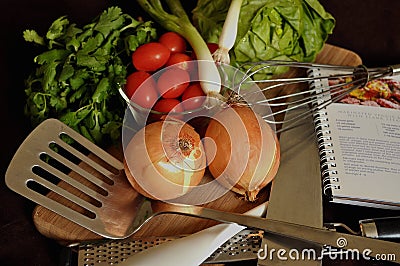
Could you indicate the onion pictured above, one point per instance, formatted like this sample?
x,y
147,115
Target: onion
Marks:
x,y
242,150
165,160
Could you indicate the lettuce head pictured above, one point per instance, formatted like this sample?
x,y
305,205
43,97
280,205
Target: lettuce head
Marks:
x,y
293,30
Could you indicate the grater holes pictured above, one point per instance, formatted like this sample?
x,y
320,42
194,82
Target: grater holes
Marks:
x,y
115,252
240,243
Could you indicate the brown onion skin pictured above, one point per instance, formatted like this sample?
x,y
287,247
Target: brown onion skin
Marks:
x,y
258,167
164,184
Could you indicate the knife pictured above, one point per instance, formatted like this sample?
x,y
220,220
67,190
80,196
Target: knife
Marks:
x,y
296,194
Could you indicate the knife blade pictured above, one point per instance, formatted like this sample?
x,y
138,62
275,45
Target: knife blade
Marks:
x,y
296,194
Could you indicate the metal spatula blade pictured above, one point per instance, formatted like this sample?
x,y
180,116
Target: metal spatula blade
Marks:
x,y
49,171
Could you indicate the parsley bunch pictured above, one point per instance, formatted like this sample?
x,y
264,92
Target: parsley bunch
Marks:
x,y
80,71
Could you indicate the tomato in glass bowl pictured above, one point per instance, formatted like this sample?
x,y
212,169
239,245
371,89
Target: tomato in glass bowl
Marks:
x,y
170,93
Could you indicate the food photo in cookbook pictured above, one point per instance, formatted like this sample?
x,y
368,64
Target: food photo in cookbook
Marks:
x,y
379,92
94,65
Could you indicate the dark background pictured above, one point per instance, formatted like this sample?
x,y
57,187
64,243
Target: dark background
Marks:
x,y
370,28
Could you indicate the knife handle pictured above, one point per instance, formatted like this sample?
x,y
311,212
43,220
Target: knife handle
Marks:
x,y
382,228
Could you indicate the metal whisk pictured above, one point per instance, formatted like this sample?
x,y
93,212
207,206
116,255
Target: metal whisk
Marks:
x,y
314,86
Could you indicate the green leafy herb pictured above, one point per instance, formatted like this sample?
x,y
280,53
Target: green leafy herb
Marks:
x,y
80,70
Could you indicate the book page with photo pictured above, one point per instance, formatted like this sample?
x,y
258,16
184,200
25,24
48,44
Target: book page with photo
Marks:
x,y
360,146
384,92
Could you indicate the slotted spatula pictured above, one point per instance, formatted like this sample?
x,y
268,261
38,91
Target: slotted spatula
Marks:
x,y
78,181
44,160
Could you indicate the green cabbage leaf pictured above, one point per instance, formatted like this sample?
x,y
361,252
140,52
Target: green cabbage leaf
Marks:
x,y
294,30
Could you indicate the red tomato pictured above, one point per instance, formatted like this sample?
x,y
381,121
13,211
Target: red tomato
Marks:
x,y
134,80
181,60
193,97
173,82
212,47
168,105
150,56
141,88
173,41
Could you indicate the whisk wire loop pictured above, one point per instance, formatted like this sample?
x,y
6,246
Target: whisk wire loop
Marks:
x,y
339,81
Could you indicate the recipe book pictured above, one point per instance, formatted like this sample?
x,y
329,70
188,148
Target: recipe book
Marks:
x,y
359,144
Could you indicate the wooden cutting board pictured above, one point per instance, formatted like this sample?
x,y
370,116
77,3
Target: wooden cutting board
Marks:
x,y
59,228
64,231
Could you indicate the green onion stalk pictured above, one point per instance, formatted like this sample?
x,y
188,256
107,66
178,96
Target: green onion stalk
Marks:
x,y
178,21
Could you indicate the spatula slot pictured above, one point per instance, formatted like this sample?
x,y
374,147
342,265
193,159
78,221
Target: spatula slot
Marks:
x,y
107,166
54,163
94,178
100,155
39,188
46,175
57,181
32,185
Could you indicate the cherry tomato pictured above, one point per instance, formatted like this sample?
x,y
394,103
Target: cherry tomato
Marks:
x,y
134,80
168,105
141,88
173,82
181,60
193,97
150,56
173,41
212,47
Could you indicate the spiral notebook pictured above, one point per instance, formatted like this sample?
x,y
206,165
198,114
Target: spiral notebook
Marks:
x,y
359,144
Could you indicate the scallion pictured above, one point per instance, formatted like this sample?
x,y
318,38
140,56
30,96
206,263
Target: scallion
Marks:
x,y
228,34
178,21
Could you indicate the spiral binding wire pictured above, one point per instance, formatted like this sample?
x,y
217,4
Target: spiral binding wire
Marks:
x,y
329,173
